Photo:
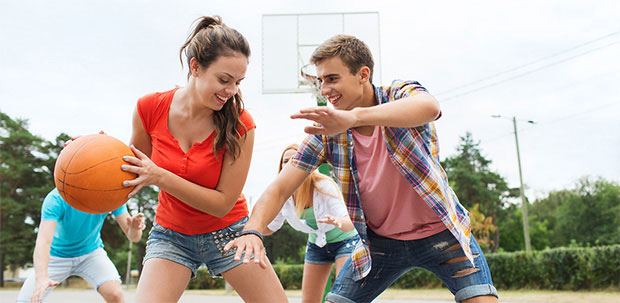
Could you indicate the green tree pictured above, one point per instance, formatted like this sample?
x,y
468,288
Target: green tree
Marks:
x,y
285,244
544,212
482,227
511,229
25,179
474,183
117,244
587,215
145,201
591,214
52,150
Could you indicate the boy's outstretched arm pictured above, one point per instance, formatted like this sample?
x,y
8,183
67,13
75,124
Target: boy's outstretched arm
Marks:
x,y
411,111
131,226
265,210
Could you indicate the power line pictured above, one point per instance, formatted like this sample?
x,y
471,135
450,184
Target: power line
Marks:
x,y
582,112
554,120
444,100
529,63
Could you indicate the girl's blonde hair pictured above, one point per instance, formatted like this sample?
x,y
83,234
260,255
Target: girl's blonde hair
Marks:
x,y
304,193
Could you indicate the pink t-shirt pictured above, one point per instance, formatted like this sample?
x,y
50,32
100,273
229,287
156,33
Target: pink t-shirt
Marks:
x,y
392,207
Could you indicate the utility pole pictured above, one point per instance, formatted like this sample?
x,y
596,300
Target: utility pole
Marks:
x,y
128,276
526,229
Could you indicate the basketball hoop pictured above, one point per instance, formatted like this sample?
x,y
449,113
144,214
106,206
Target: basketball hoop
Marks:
x,y
288,41
309,78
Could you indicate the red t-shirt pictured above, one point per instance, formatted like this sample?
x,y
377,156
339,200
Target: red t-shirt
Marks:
x,y
198,165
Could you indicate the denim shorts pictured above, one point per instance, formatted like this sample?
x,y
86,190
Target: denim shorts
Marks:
x,y
392,258
331,251
192,251
94,267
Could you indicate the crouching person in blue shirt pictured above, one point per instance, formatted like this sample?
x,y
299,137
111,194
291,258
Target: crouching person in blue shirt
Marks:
x,y
69,244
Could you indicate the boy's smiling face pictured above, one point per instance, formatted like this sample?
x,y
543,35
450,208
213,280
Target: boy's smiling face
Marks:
x,y
342,88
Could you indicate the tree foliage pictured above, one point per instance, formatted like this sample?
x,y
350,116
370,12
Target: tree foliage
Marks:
x,y
482,227
475,184
117,244
285,245
587,215
26,176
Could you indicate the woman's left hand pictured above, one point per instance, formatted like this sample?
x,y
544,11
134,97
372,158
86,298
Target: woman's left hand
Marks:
x,y
148,172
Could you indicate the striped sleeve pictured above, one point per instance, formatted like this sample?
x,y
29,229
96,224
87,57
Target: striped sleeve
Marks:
x,y
311,154
402,89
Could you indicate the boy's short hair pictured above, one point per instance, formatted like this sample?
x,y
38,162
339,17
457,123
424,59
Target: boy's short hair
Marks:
x,y
352,51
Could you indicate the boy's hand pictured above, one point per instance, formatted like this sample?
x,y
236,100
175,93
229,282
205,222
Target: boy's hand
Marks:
x,y
251,245
136,222
331,121
41,285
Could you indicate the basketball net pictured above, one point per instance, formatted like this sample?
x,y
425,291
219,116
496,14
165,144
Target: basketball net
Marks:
x,y
308,73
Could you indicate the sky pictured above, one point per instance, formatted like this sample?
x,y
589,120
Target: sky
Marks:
x,y
78,67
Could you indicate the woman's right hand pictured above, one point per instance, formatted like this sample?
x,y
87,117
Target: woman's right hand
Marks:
x,y
148,172
41,285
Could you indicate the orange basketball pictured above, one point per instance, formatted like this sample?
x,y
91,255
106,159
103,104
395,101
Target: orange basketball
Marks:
x,y
88,173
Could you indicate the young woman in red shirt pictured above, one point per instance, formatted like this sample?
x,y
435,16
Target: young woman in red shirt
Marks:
x,y
195,144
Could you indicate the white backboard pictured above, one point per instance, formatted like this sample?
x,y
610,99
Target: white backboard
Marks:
x,y
290,39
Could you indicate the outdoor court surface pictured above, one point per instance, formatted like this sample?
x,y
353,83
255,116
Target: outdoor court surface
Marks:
x,y
73,295
89,295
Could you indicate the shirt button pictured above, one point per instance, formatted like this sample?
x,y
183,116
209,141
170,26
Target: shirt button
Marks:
x,y
350,143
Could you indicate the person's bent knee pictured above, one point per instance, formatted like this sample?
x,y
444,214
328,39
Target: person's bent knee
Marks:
x,y
115,296
111,291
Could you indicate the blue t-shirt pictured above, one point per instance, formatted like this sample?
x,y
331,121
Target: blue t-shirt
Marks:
x,y
77,233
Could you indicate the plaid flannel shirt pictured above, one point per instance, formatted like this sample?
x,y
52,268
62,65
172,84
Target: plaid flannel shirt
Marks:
x,y
414,152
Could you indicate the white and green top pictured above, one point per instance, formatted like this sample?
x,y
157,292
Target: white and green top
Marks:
x,y
325,202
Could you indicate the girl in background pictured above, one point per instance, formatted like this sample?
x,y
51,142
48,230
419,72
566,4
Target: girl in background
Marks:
x,y
317,208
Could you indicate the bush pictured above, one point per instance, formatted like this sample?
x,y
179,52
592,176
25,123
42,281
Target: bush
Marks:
x,y
203,280
290,275
557,269
552,269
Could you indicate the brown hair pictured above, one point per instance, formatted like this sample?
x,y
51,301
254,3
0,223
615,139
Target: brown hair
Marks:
x,y
304,193
352,51
209,40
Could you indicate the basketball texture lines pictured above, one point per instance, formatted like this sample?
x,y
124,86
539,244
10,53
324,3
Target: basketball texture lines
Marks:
x,y
88,173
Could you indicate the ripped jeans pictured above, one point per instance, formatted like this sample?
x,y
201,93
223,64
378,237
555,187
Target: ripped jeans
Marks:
x,y
440,253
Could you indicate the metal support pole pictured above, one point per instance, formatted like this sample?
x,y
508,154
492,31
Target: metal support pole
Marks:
x,y
128,275
526,229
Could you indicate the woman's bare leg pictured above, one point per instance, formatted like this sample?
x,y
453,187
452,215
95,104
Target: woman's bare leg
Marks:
x,y
162,281
339,263
313,281
255,284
